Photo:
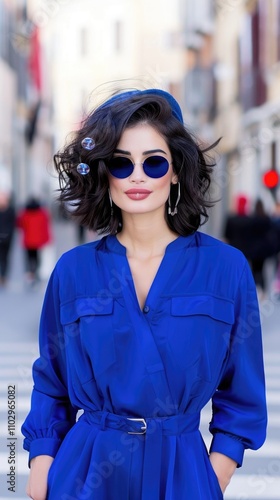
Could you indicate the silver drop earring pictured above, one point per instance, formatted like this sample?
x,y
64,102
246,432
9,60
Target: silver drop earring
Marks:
x,y
111,202
175,211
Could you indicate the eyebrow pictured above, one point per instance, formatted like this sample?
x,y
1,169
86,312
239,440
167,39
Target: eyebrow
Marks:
x,y
122,151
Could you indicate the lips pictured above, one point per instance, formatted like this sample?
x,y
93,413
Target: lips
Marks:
x,y
138,194
135,191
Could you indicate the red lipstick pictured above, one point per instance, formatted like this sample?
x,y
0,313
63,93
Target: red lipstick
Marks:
x,y
137,193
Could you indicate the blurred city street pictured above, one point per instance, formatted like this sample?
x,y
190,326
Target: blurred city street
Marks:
x,y
59,60
20,305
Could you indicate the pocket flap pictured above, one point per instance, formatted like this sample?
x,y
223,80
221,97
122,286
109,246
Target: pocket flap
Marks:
x,y
206,305
86,306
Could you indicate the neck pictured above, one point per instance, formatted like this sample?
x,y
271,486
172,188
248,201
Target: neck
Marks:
x,y
145,235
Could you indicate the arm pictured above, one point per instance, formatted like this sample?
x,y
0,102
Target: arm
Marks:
x,y
224,468
239,406
52,414
37,483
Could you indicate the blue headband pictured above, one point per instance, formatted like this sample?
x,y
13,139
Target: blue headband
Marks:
x,y
176,110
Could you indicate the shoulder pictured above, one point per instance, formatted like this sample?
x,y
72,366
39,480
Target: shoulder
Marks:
x,y
221,267
78,255
79,271
210,246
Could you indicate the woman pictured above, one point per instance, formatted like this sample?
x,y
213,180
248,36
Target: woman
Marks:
x,y
143,327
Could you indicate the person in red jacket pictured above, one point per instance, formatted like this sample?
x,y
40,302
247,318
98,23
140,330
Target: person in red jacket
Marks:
x,y
34,221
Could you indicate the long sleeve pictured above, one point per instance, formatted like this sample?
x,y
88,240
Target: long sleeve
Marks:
x,y
51,414
239,406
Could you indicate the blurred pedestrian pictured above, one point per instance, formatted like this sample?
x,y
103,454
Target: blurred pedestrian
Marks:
x,y
34,222
259,232
255,236
143,327
236,225
275,218
7,225
81,234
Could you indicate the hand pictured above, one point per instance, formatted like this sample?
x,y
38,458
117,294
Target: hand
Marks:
x,y
224,468
38,478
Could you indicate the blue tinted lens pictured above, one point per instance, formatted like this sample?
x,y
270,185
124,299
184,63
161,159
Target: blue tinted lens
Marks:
x,y
120,167
156,166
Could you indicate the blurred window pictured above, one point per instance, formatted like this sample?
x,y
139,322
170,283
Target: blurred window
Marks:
x,y
200,93
253,89
274,156
83,42
277,11
199,17
118,36
5,22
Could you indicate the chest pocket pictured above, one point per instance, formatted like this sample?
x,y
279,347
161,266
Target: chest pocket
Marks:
x,y
199,332
88,327
206,305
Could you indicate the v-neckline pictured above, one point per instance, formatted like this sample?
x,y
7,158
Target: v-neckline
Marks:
x,y
150,287
162,273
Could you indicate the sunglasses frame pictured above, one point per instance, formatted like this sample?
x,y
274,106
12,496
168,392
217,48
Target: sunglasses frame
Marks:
x,y
146,169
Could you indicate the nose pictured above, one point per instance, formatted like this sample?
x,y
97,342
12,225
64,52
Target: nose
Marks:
x,y
138,174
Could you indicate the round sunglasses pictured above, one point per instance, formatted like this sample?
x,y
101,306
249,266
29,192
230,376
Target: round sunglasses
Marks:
x,y
122,167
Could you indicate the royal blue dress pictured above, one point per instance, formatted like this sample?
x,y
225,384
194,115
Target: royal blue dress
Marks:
x,y
142,377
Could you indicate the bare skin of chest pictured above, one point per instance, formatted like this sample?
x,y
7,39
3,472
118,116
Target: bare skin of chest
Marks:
x,y
143,273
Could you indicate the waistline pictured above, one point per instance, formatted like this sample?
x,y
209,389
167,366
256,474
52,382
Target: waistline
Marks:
x,y
169,426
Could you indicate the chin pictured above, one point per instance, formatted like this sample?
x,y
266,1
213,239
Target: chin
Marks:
x,y
143,210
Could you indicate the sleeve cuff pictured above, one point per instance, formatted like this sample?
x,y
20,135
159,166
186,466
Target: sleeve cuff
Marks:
x,y
229,446
43,446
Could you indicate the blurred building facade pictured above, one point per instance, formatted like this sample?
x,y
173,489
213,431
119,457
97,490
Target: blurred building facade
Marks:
x,y
219,58
247,71
231,90
53,54
8,90
199,23
26,140
92,50
124,44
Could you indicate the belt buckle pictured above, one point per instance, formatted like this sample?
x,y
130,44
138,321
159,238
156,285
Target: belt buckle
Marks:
x,y
144,428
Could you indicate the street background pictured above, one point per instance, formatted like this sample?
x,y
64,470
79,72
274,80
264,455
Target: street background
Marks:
x,y
60,58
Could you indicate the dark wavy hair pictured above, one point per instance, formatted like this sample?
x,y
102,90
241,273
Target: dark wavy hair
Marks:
x,y
89,195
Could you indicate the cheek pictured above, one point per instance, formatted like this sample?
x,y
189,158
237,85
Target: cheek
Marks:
x,y
163,184
115,185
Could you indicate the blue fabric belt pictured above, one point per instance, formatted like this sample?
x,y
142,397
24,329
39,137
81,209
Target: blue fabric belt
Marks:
x,y
152,430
